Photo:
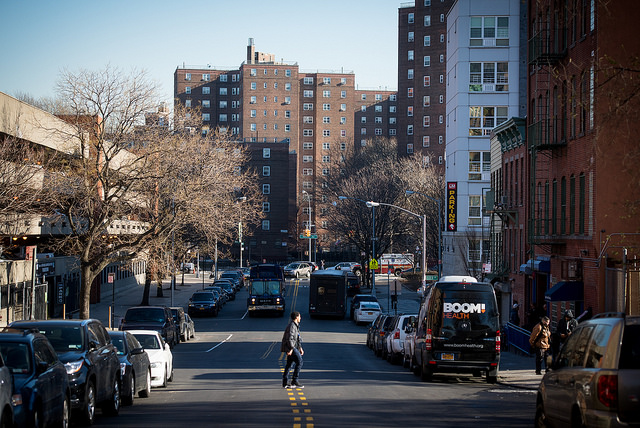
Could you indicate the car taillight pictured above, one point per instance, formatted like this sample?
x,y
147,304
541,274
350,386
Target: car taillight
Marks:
x,y
608,390
498,342
427,340
396,335
381,333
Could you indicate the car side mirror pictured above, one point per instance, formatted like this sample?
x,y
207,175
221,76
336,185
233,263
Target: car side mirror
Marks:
x,y
137,351
41,367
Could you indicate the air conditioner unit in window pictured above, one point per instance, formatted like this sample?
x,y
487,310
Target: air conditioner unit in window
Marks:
x,y
574,269
488,87
486,176
488,42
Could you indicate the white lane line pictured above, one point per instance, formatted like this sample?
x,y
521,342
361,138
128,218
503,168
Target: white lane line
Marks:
x,y
209,350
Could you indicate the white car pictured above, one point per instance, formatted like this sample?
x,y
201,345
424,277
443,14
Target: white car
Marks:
x,y
394,341
160,356
366,312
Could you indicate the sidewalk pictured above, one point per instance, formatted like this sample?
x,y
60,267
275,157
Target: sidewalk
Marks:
x,y
132,296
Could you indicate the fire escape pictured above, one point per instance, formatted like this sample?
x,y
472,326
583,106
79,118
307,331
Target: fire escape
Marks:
x,y
546,133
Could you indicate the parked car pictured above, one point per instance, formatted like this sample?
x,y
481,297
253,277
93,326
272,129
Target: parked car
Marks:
x,y
367,312
409,359
160,356
228,288
221,296
203,303
135,367
235,276
191,327
353,284
6,411
354,267
188,267
157,318
177,312
373,330
394,341
355,301
41,394
91,360
380,334
595,379
298,269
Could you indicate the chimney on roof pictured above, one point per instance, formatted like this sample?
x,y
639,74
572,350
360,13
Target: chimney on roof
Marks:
x,y
251,52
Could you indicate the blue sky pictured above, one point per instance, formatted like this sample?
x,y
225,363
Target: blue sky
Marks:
x,y
42,37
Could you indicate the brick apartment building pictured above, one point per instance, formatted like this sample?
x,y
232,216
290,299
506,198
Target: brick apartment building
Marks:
x,y
315,115
566,189
421,79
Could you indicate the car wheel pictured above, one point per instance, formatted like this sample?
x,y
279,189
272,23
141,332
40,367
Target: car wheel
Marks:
x,y
112,407
144,393
164,378
89,411
66,414
297,275
170,377
127,400
541,418
37,417
425,373
576,418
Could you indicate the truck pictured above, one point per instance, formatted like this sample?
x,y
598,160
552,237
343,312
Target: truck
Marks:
x,y
328,293
395,263
266,290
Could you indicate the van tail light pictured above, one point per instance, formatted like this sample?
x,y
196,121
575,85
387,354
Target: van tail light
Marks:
x,y
396,335
608,390
427,340
498,342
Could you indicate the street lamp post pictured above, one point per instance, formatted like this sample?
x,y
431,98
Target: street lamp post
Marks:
x,y
373,238
304,192
241,199
439,201
424,234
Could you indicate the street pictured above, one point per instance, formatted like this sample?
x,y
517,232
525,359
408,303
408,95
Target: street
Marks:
x,y
230,375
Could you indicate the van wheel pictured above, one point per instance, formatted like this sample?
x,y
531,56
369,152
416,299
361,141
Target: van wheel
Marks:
x,y
425,373
492,378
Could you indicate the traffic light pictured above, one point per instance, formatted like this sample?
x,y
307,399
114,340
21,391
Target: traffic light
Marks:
x,y
307,232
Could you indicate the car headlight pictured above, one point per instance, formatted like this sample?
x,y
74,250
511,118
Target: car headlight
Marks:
x,y
156,364
253,300
73,366
123,368
277,301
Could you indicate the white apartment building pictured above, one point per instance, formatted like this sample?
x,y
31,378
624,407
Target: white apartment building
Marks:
x,y
484,42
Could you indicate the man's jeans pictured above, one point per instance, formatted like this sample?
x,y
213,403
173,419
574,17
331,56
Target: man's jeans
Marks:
x,y
294,358
541,355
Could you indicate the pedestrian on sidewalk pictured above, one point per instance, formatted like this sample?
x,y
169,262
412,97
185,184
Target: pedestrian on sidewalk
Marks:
x,y
540,342
292,346
514,317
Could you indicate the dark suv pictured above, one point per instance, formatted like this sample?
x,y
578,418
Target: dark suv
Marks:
x,y
595,380
91,360
158,318
40,383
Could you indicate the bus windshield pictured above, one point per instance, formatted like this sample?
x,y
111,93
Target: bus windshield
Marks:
x,y
266,288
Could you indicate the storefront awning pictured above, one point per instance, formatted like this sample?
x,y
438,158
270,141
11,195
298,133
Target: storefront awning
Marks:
x,y
565,291
535,266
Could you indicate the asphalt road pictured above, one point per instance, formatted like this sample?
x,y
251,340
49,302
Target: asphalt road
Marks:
x,y
231,376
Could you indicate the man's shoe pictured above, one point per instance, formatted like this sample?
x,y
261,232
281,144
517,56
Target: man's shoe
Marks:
x,y
285,384
297,385
538,373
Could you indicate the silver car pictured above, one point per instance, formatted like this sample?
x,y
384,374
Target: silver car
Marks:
x,y
298,269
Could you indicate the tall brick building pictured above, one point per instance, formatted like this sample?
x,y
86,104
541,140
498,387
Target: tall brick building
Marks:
x,y
315,115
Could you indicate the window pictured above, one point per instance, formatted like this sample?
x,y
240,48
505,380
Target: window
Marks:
x,y
307,93
377,131
409,148
287,86
410,73
343,107
343,146
252,113
343,94
266,225
426,121
489,31
287,127
287,100
410,92
326,107
326,146
307,158
410,55
363,108
343,133
266,207
392,109
287,114
223,91
253,72
442,78
426,101
363,119
307,106
222,118
287,73
427,20
206,90
326,119
187,90
427,61
266,171
425,141
440,139
483,119
253,100
427,40
187,76
343,80
307,185
392,132
206,117
326,94
441,57
442,17
363,131
393,97
392,120
409,111
275,85
326,159
266,189
187,103
427,81
441,99
307,132
307,146
378,108
343,120
326,133
307,119
410,18
307,171
475,210
308,81
410,36
409,129
479,162
489,76
378,119
206,77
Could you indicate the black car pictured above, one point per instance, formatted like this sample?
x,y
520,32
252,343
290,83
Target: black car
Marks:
x,y
373,330
158,318
203,303
91,360
41,391
228,288
181,323
380,335
355,301
135,367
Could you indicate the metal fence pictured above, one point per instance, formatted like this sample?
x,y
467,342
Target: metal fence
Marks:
x,y
16,302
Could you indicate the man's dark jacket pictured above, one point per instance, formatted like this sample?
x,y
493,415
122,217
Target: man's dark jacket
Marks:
x,y
291,338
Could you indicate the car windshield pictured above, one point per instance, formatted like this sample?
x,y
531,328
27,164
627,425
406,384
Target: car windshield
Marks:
x,y
270,288
145,315
118,342
202,297
148,341
63,338
16,356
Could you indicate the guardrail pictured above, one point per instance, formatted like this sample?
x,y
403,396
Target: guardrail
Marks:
x,y
517,337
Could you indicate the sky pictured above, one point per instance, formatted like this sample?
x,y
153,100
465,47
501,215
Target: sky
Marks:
x,y
41,38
